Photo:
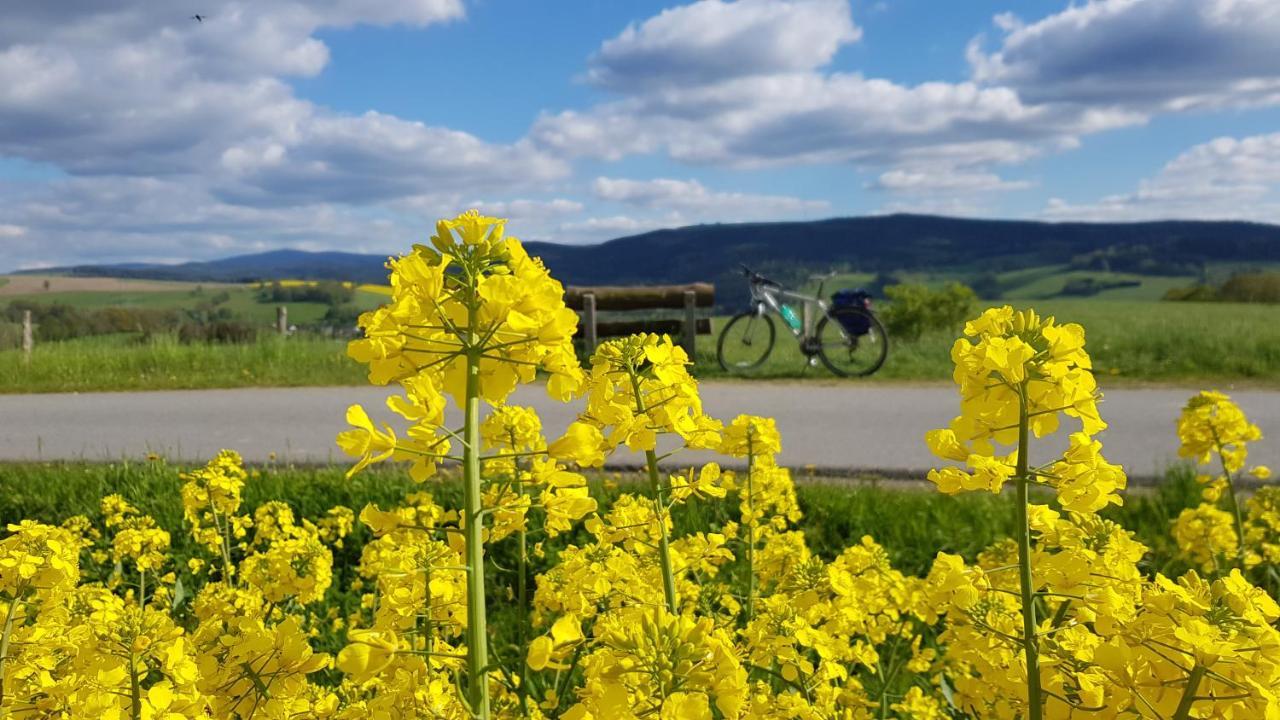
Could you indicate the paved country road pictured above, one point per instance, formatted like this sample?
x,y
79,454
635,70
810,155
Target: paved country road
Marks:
x,y
834,427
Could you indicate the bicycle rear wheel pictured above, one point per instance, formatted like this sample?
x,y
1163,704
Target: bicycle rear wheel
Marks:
x,y
745,342
852,342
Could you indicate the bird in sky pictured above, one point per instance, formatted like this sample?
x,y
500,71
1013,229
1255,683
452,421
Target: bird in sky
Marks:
x,y
199,18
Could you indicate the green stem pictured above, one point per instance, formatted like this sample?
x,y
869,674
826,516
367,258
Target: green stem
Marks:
x,y
664,546
477,632
135,691
4,643
429,638
751,530
659,505
1189,693
1022,527
1235,506
522,594
1061,616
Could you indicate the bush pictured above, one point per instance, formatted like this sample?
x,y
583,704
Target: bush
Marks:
x,y
1255,287
1250,287
915,309
221,331
327,292
1086,286
343,316
63,322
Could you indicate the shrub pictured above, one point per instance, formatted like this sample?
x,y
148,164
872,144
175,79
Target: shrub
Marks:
x,y
1255,287
1087,286
220,331
58,321
329,292
1249,287
914,309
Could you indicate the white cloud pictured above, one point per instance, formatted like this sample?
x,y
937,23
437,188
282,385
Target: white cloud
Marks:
x,y
192,129
691,199
925,181
118,218
183,137
798,118
528,209
127,88
713,40
1225,178
710,106
607,227
1146,55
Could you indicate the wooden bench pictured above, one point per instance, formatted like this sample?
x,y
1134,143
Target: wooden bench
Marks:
x,y
591,300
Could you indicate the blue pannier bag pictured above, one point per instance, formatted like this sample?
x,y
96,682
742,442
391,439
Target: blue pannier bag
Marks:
x,y
855,323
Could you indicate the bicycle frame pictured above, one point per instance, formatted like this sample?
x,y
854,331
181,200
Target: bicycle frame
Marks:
x,y
767,296
810,329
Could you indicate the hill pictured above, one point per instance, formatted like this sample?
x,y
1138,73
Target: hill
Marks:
x,y
981,251
273,265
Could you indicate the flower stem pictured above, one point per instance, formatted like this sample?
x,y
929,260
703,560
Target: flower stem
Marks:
x,y
1030,644
477,632
664,547
522,591
1235,506
659,504
1189,693
135,690
4,642
751,529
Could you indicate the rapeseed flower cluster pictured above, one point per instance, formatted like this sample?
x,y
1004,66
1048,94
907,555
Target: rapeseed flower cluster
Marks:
x,y
1214,430
609,611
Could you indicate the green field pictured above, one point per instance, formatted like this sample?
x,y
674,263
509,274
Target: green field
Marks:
x,y
116,362
243,301
1046,282
1130,342
1131,338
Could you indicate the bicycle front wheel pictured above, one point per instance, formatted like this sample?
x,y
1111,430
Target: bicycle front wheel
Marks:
x,y
745,342
852,342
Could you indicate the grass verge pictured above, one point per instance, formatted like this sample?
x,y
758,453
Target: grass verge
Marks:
x,y
1130,342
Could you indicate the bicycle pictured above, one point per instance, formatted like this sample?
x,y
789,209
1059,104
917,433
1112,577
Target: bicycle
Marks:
x,y
844,334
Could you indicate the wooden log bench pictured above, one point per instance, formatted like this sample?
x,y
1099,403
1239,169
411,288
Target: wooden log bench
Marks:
x,y
590,301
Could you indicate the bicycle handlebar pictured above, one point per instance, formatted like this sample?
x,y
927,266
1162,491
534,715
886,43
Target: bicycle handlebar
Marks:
x,y
754,276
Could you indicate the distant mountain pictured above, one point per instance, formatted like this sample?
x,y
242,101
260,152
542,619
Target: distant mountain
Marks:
x,y
788,250
273,265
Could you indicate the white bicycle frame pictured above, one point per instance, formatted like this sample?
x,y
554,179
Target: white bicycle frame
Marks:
x,y
769,296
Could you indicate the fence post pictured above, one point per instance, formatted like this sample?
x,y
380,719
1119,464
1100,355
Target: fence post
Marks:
x,y
690,321
282,319
26,336
589,322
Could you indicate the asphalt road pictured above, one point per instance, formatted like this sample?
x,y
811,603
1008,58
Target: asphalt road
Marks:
x,y
833,427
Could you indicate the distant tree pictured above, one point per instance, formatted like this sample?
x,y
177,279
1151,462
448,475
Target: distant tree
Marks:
x,y
987,286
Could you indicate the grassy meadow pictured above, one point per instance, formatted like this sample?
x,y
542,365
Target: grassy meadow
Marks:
x,y
1130,342
95,293
1132,338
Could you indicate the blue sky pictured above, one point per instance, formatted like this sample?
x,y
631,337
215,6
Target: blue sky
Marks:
x,y
131,133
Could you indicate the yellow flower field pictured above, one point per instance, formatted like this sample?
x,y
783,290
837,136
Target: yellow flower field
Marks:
x,y
1066,618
